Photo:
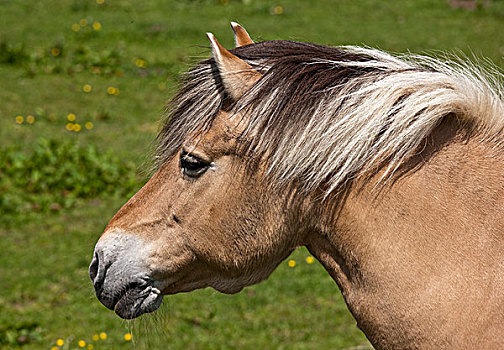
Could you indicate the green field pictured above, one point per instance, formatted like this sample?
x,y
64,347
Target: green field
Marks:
x,y
113,65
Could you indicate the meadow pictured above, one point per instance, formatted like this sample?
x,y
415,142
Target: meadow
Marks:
x,y
83,85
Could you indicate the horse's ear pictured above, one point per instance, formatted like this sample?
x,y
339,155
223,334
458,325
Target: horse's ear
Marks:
x,y
237,75
242,38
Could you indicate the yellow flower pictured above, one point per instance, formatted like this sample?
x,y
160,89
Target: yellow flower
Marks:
x,y
90,346
75,27
95,337
76,127
54,348
141,63
127,336
30,119
87,88
60,342
19,119
71,117
111,90
55,51
97,26
310,259
277,10
99,2
103,335
69,126
89,126
81,343
291,263
83,22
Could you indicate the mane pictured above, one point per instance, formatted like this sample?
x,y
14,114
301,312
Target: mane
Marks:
x,y
323,115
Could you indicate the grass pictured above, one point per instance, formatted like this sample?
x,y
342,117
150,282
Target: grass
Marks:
x,y
46,67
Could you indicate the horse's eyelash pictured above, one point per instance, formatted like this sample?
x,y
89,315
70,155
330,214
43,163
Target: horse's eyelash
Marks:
x,y
191,158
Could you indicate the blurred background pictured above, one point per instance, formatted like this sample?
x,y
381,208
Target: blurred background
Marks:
x,y
83,84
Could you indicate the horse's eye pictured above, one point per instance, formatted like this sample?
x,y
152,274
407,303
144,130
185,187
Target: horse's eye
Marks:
x,y
192,166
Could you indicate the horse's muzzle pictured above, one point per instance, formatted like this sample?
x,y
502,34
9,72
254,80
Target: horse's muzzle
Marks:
x,y
121,284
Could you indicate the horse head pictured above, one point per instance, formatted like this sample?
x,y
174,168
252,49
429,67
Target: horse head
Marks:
x,y
206,218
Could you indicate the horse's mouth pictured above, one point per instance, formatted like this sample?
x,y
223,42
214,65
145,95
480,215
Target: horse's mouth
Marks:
x,y
134,300
138,301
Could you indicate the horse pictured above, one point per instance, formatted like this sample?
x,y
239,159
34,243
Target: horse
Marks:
x,y
388,168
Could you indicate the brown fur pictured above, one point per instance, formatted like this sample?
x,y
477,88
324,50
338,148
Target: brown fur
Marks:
x,y
421,264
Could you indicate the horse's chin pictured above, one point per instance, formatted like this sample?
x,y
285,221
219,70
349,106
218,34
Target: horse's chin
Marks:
x,y
137,302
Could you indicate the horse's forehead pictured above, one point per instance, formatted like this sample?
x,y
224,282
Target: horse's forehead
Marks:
x,y
229,124
221,136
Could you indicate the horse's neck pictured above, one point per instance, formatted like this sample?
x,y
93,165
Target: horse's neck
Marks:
x,y
423,262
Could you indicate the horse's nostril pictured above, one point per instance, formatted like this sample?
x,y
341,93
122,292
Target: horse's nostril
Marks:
x,y
93,268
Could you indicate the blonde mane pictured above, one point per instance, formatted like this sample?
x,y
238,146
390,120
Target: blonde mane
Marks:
x,y
325,115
